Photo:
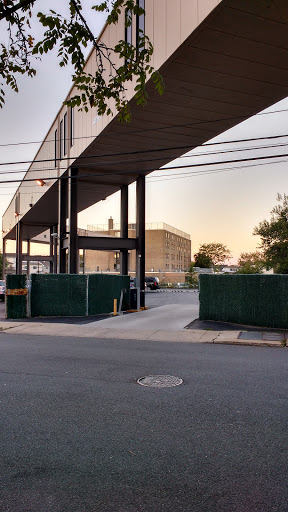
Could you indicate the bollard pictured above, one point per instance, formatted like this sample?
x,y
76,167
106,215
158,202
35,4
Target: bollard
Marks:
x,y
115,307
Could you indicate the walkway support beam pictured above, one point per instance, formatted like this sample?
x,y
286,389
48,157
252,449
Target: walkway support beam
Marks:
x,y
19,248
51,246
140,232
62,216
28,254
55,245
4,260
105,243
124,229
73,252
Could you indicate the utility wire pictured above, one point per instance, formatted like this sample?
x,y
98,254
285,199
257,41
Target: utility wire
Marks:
x,y
167,177
109,155
191,174
162,128
141,171
193,155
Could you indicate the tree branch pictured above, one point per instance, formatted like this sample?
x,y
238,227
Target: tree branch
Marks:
x,y
84,23
10,10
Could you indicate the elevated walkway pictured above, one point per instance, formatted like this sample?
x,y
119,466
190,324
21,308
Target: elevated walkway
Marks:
x,y
222,62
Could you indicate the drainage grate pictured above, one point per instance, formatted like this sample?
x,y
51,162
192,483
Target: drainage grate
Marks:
x,y
160,381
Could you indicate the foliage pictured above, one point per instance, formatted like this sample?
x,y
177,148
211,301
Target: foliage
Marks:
x,y
251,263
71,36
274,236
202,260
216,252
191,278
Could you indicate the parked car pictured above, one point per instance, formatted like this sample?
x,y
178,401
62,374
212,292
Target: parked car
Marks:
x,y
2,290
152,283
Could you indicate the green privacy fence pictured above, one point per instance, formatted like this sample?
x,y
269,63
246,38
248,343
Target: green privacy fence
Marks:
x,y
58,295
260,300
16,296
76,295
103,289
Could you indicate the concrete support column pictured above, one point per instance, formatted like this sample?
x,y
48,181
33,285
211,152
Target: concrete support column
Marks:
x,y
73,252
51,252
55,244
19,248
28,262
62,217
124,229
140,231
83,261
4,259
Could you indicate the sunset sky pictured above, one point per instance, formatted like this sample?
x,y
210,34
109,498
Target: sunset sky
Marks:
x,y
222,206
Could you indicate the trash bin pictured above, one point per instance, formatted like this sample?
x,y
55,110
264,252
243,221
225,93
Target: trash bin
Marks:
x,y
134,298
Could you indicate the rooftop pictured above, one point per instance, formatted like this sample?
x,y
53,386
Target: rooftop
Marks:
x,y
148,226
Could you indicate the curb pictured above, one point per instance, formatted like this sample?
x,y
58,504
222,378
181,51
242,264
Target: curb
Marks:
x,y
182,336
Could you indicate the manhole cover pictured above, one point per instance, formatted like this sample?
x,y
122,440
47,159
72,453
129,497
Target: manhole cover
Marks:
x,y
160,381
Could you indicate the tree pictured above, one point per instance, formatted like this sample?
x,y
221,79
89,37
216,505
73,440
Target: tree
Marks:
x,y
71,35
191,278
251,263
217,253
274,236
202,260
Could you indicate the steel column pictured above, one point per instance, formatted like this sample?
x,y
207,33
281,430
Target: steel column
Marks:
x,y
28,262
55,244
51,249
62,216
124,229
4,259
73,252
18,248
140,231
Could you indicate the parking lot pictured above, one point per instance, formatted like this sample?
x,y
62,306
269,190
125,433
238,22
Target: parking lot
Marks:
x,y
162,297
154,299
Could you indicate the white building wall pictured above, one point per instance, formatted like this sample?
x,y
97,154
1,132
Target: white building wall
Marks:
x,y
168,23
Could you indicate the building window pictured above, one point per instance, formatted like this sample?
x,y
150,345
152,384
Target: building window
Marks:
x,y
128,26
140,22
71,126
61,139
55,147
65,134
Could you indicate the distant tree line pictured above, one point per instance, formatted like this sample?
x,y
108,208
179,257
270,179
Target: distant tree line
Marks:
x,y
272,252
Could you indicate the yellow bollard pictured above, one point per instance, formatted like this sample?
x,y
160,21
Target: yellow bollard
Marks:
x,y
115,307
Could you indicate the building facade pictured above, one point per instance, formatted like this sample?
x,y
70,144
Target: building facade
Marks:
x,y
168,249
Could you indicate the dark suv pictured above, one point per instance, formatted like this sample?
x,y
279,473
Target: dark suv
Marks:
x,y
152,283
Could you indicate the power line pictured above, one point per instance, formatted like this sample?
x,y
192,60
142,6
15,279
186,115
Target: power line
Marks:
x,y
183,175
140,171
127,153
140,131
176,175
254,148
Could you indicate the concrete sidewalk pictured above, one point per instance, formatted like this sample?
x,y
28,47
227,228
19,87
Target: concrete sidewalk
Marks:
x,y
93,330
171,317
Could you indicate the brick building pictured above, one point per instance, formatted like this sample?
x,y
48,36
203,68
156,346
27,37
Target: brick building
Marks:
x,y
167,250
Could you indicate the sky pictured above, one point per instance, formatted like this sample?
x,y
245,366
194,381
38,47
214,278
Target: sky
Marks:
x,y
220,206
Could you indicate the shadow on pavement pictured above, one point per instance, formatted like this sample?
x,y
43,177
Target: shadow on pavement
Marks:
x,y
212,325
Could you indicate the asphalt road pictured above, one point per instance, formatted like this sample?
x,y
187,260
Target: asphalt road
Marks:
x,y
162,298
78,434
